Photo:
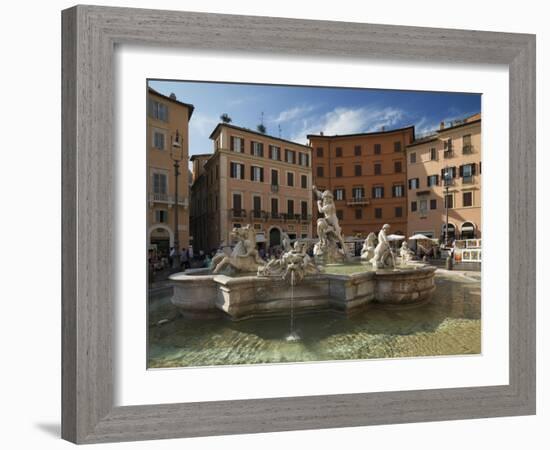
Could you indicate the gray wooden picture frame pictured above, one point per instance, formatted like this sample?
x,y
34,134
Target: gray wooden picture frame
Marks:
x,y
90,34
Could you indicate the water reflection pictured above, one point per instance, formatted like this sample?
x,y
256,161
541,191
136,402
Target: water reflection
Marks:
x,y
450,324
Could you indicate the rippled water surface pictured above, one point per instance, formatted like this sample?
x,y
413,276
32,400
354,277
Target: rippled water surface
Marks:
x,y
449,325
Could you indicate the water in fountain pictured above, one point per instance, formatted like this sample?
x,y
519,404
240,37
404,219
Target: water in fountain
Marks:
x,y
293,336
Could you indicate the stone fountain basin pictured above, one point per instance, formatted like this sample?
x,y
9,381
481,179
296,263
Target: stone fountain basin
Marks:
x,y
199,294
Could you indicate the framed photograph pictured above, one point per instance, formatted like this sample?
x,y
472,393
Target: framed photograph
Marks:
x,y
266,230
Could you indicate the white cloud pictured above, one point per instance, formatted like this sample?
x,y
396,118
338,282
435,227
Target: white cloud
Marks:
x,y
291,113
342,120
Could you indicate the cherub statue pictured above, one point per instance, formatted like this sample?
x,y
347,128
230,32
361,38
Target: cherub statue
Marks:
x,y
383,256
406,253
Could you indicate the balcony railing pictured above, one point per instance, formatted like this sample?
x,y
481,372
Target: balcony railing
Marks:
x,y
237,213
468,179
155,197
358,201
276,215
305,217
448,153
274,188
467,150
259,214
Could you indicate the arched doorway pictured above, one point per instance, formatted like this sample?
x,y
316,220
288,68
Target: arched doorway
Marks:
x,y
451,233
468,231
274,237
161,237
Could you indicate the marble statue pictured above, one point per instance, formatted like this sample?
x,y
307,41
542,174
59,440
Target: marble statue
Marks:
x,y
292,266
406,253
244,257
285,242
367,252
328,230
383,256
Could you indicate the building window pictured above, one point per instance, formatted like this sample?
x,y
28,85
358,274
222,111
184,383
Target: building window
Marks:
x,y
274,177
257,174
433,154
448,148
339,171
340,214
290,179
358,213
160,183
290,156
358,192
158,140
275,153
290,207
467,144
467,173
398,190
161,216
160,111
304,210
304,181
433,203
414,183
413,206
467,199
357,150
256,148
397,167
237,202
377,169
433,180
378,213
423,207
237,144
357,170
412,158
304,159
236,170
274,207
377,149
397,146
378,191
320,171
257,206
339,194
319,152
449,201
338,152
398,211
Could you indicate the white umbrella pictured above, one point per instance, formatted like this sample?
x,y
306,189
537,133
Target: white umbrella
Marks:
x,y
395,237
420,237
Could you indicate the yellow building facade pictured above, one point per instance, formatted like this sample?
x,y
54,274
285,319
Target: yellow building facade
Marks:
x,y
167,140
456,150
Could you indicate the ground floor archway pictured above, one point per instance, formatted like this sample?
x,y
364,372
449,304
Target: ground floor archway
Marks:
x,y
274,236
468,230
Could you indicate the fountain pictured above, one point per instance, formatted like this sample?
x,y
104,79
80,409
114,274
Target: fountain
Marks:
x,y
241,285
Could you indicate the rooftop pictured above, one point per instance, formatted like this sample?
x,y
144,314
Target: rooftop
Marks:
x,y
371,133
173,99
248,130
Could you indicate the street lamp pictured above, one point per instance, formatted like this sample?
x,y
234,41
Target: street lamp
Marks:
x,y
447,178
176,155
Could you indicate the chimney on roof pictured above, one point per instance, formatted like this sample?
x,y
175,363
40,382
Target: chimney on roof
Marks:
x,y
441,125
173,96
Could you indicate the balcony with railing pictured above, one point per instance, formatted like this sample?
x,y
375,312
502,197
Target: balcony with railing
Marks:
x,y
467,149
259,214
275,215
468,179
305,218
354,201
274,188
237,214
448,153
167,199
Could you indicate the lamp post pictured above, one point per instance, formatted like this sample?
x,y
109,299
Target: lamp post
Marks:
x,y
447,180
176,155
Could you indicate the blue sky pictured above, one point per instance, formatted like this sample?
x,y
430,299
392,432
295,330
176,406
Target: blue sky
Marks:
x,y
299,111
